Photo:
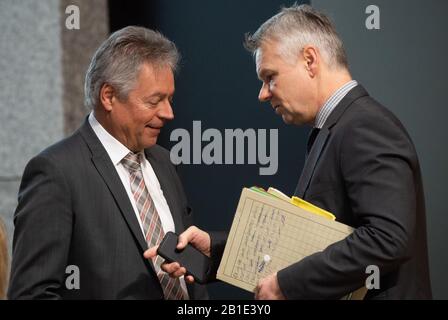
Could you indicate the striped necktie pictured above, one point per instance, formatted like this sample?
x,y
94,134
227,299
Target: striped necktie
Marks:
x,y
152,226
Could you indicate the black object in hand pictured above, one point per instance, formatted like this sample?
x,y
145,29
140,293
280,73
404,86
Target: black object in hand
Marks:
x,y
195,262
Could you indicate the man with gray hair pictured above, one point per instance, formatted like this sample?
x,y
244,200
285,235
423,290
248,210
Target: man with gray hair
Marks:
x,y
91,204
360,165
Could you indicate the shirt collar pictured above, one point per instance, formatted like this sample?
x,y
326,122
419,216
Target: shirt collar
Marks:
x,y
332,102
114,148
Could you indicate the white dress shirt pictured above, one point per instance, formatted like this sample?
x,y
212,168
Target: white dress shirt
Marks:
x,y
117,151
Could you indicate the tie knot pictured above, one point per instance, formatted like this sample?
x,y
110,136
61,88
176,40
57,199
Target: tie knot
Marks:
x,y
131,161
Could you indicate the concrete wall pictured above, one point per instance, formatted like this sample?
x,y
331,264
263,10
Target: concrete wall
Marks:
x,y
42,67
30,89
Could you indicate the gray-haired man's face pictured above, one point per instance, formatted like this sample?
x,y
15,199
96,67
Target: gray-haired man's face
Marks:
x,y
137,121
286,84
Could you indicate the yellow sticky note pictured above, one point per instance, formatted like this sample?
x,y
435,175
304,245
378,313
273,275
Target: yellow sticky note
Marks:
x,y
312,208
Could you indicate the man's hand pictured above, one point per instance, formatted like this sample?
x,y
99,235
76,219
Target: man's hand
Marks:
x,y
268,289
193,235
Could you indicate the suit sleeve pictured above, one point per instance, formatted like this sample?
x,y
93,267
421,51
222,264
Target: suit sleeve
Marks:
x,y
218,243
43,226
377,163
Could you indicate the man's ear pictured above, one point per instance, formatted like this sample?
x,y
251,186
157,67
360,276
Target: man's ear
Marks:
x,y
107,97
311,59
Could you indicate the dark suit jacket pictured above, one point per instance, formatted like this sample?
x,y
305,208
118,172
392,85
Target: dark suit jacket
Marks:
x,y
74,210
364,169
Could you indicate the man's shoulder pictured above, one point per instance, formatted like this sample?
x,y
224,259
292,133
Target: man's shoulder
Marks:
x,y
367,111
369,121
63,157
65,149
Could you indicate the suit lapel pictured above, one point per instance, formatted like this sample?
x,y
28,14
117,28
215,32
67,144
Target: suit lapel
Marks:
x,y
311,162
161,170
110,176
322,137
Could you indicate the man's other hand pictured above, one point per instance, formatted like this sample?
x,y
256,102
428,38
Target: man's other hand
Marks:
x,y
193,235
268,289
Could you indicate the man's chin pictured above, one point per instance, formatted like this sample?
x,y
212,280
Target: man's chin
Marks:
x,y
287,119
290,120
149,142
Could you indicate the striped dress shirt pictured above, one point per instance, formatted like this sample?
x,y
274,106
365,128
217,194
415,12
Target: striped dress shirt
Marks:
x,y
332,102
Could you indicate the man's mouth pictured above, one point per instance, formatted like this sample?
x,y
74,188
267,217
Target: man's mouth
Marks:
x,y
154,127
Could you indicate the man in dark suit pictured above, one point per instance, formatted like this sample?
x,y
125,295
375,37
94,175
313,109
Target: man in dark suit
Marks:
x,y
361,165
90,205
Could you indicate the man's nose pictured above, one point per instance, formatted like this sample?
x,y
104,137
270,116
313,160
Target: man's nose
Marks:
x,y
166,112
265,94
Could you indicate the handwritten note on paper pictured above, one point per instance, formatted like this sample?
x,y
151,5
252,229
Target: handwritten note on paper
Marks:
x,y
268,234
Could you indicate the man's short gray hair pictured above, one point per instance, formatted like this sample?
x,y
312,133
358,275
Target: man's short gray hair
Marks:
x,y
118,60
294,28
